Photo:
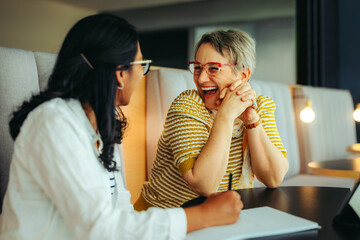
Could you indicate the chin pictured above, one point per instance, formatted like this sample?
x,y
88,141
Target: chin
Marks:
x,y
211,106
123,102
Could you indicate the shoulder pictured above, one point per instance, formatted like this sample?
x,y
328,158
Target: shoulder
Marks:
x,y
265,103
188,106
54,130
52,110
189,97
189,102
54,116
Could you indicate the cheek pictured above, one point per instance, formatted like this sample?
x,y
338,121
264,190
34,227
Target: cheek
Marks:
x,y
134,84
224,81
197,83
220,82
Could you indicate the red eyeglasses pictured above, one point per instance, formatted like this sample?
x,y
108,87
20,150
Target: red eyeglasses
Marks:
x,y
211,68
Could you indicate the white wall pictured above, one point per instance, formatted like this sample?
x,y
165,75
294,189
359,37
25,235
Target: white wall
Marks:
x,y
276,51
37,25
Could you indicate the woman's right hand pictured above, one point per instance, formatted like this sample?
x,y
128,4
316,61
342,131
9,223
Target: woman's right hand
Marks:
x,y
218,209
233,102
224,206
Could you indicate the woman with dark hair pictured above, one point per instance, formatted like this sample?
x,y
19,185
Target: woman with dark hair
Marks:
x,y
66,179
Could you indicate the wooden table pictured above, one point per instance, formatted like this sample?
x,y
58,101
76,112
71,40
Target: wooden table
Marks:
x,y
318,204
349,168
355,148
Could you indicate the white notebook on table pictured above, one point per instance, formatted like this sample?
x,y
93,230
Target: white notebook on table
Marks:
x,y
256,222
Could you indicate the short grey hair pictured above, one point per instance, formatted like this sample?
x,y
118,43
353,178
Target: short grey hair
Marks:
x,y
236,44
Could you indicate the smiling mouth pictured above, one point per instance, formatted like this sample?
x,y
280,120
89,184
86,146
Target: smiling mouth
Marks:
x,y
209,91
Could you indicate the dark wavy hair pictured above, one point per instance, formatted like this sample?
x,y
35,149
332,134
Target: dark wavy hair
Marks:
x,y
107,41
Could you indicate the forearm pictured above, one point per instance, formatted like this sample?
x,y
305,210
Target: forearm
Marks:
x,y
195,218
268,163
210,166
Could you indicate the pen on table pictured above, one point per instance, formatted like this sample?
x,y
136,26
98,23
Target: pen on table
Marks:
x,y
230,181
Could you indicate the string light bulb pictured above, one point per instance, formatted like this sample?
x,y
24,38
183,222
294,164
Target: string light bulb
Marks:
x,y
307,115
356,113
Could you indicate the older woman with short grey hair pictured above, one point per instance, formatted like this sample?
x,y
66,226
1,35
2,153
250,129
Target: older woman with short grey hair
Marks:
x,y
219,132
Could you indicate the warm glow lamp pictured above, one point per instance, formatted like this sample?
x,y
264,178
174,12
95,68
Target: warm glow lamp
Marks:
x,y
356,114
307,115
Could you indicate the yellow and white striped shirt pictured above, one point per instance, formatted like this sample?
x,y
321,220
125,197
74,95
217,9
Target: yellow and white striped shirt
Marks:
x,y
186,131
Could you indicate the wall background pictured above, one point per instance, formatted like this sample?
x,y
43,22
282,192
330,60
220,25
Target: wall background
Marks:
x,y
349,50
271,23
37,25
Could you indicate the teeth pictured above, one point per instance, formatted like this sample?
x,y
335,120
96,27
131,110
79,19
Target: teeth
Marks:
x,y
208,88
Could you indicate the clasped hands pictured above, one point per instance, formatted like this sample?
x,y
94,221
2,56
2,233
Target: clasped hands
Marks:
x,y
239,99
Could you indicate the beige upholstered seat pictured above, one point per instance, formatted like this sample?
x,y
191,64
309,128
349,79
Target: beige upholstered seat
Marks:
x,y
162,87
22,74
333,128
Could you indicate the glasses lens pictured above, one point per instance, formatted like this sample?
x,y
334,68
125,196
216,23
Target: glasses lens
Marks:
x,y
212,68
195,68
191,67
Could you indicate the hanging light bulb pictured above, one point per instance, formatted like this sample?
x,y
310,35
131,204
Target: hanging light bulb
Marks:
x,y
307,115
356,114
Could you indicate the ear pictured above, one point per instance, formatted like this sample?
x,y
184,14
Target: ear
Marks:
x,y
120,77
245,75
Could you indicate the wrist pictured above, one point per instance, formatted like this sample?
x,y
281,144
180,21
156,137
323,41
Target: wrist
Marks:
x,y
209,216
253,124
223,116
252,118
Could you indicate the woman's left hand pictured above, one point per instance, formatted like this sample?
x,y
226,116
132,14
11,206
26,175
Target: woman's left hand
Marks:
x,y
249,115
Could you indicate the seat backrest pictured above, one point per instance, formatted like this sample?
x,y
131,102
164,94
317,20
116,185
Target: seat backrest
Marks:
x,y
285,121
19,79
164,85
333,128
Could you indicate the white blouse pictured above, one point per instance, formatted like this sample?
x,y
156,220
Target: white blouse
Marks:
x,y
58,188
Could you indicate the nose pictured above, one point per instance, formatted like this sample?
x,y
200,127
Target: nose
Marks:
x,y
203,77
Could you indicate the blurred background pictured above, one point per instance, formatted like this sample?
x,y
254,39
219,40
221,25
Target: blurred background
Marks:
x,y
309,42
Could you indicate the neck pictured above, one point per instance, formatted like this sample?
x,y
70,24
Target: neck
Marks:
x,y
90,114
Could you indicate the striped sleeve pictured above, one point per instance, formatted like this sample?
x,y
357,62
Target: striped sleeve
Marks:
x,y
266,109
187,129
